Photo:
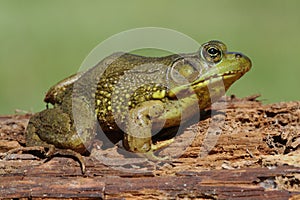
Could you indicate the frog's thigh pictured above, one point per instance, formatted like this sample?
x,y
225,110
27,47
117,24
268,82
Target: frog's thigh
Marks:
x,y
51,126
138,128
31,133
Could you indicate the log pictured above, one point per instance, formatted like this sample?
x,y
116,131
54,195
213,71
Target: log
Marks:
x,y
240,149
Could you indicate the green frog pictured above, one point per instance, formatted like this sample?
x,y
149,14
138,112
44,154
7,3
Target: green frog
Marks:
x,y
132,98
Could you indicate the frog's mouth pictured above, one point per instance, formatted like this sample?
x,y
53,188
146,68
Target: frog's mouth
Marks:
x,y
208,84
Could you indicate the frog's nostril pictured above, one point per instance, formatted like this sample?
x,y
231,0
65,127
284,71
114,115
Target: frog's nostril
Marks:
x,y
238,55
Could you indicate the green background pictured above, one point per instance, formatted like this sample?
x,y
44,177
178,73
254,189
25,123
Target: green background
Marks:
x,y
41,42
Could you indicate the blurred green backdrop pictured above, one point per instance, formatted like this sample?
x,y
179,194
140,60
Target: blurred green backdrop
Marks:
x,y
41,42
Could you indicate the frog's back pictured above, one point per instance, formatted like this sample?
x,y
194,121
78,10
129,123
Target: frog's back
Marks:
x,y
122,62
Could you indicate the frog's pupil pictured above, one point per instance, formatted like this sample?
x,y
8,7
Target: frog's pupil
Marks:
x,y
213,51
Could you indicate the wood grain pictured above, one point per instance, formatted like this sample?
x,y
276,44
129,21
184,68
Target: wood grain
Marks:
x,y
252,151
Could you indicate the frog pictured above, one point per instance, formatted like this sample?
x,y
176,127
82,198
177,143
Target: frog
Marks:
x,y
132,97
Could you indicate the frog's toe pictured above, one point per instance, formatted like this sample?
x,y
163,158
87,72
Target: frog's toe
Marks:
x,y
22,149
67,153
161,144
49,152
150,154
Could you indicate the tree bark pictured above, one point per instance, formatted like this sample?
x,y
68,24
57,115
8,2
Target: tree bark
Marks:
x,y
244,150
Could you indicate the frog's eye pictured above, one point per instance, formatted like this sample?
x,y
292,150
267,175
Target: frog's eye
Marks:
x,y
212,52
184,71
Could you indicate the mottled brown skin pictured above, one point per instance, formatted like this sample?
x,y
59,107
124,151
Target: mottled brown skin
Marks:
x,y
131,97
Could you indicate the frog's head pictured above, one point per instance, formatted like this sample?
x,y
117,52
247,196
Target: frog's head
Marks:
x,y
209,73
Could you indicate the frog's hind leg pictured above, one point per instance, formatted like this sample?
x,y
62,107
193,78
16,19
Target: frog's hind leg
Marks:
x,y
49,152
67,153
50,129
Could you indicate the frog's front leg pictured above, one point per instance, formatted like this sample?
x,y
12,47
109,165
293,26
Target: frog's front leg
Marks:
x,y
138,129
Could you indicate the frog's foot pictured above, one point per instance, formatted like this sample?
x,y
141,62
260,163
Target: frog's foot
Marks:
x,y
67,153
23,149
49,153
161,144
154,147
